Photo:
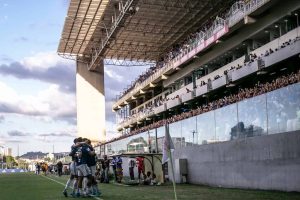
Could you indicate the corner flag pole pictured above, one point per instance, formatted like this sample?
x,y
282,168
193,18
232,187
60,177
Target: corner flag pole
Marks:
x,y
172,166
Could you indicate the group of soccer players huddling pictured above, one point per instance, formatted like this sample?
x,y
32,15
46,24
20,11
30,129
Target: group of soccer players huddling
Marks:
x,y
82,170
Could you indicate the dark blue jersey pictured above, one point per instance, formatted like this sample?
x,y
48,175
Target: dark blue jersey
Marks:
x,y
83,154
119,162
73,153
92,159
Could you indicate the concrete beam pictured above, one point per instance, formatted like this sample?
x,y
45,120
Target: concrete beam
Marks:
x,y
90,103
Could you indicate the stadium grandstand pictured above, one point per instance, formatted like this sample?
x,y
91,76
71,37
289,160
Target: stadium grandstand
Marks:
x,y
224,75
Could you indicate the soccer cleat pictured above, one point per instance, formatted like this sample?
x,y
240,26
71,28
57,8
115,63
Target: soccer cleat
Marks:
x,y
65,193
98,194
73,194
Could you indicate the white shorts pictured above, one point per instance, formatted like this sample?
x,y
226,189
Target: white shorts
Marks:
x,y
83,170
93,170
73,170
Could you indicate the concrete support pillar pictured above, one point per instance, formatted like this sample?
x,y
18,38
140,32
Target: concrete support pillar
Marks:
x,y
90,103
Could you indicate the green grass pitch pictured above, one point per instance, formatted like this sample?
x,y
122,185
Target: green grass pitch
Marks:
x,y
28,186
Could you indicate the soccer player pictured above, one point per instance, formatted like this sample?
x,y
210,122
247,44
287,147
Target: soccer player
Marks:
x,y
92,165
73,170
84,173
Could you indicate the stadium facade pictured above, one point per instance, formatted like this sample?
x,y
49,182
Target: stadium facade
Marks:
x,y
225,78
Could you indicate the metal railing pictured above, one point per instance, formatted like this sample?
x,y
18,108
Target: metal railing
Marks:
x,y
236,13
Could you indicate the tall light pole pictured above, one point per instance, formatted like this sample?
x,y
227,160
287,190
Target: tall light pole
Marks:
x,y
297,18
194,132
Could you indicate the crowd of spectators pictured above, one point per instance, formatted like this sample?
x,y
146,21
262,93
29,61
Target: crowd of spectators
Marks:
x,y
248,59
252,57
241,95
182,48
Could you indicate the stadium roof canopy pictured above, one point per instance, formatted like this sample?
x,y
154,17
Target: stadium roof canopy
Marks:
x,y
132,30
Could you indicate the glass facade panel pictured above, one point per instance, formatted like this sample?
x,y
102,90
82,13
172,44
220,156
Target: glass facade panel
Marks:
x,y
275,112
252,117
226,120
107,149
102,150
284,109
206,128
152,141
138,143
189,131
175,133
122,146
160,138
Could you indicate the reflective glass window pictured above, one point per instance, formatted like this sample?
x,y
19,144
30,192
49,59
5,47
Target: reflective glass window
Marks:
x,y
226,120
189,131
160,138
252,117
137,143
284,109
175,133
152,141
206,128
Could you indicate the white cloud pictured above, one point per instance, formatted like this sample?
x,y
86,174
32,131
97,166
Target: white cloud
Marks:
x,y
7,94
113,74
49,103
44,60
46,67
63,134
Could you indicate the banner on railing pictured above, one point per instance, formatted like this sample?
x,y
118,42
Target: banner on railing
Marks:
x,y
202,44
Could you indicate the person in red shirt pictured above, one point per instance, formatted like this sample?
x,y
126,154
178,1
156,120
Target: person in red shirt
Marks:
x,y
140,166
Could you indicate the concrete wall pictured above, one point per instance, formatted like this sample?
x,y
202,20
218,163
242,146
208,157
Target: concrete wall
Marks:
x,y
269,162
90,103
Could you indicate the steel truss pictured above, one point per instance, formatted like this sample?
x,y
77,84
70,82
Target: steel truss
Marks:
x,y
133,34
96,58
177,4
114,62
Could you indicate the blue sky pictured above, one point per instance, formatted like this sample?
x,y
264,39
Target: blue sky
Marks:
x,y
37,87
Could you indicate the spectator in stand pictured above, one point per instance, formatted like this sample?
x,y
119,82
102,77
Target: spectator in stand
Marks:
x,y
258,89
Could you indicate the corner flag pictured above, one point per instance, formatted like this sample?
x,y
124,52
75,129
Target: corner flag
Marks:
x,y
167,145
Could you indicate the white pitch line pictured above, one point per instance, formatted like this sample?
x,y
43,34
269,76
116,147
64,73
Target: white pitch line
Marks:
x,y
120,184
64,185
